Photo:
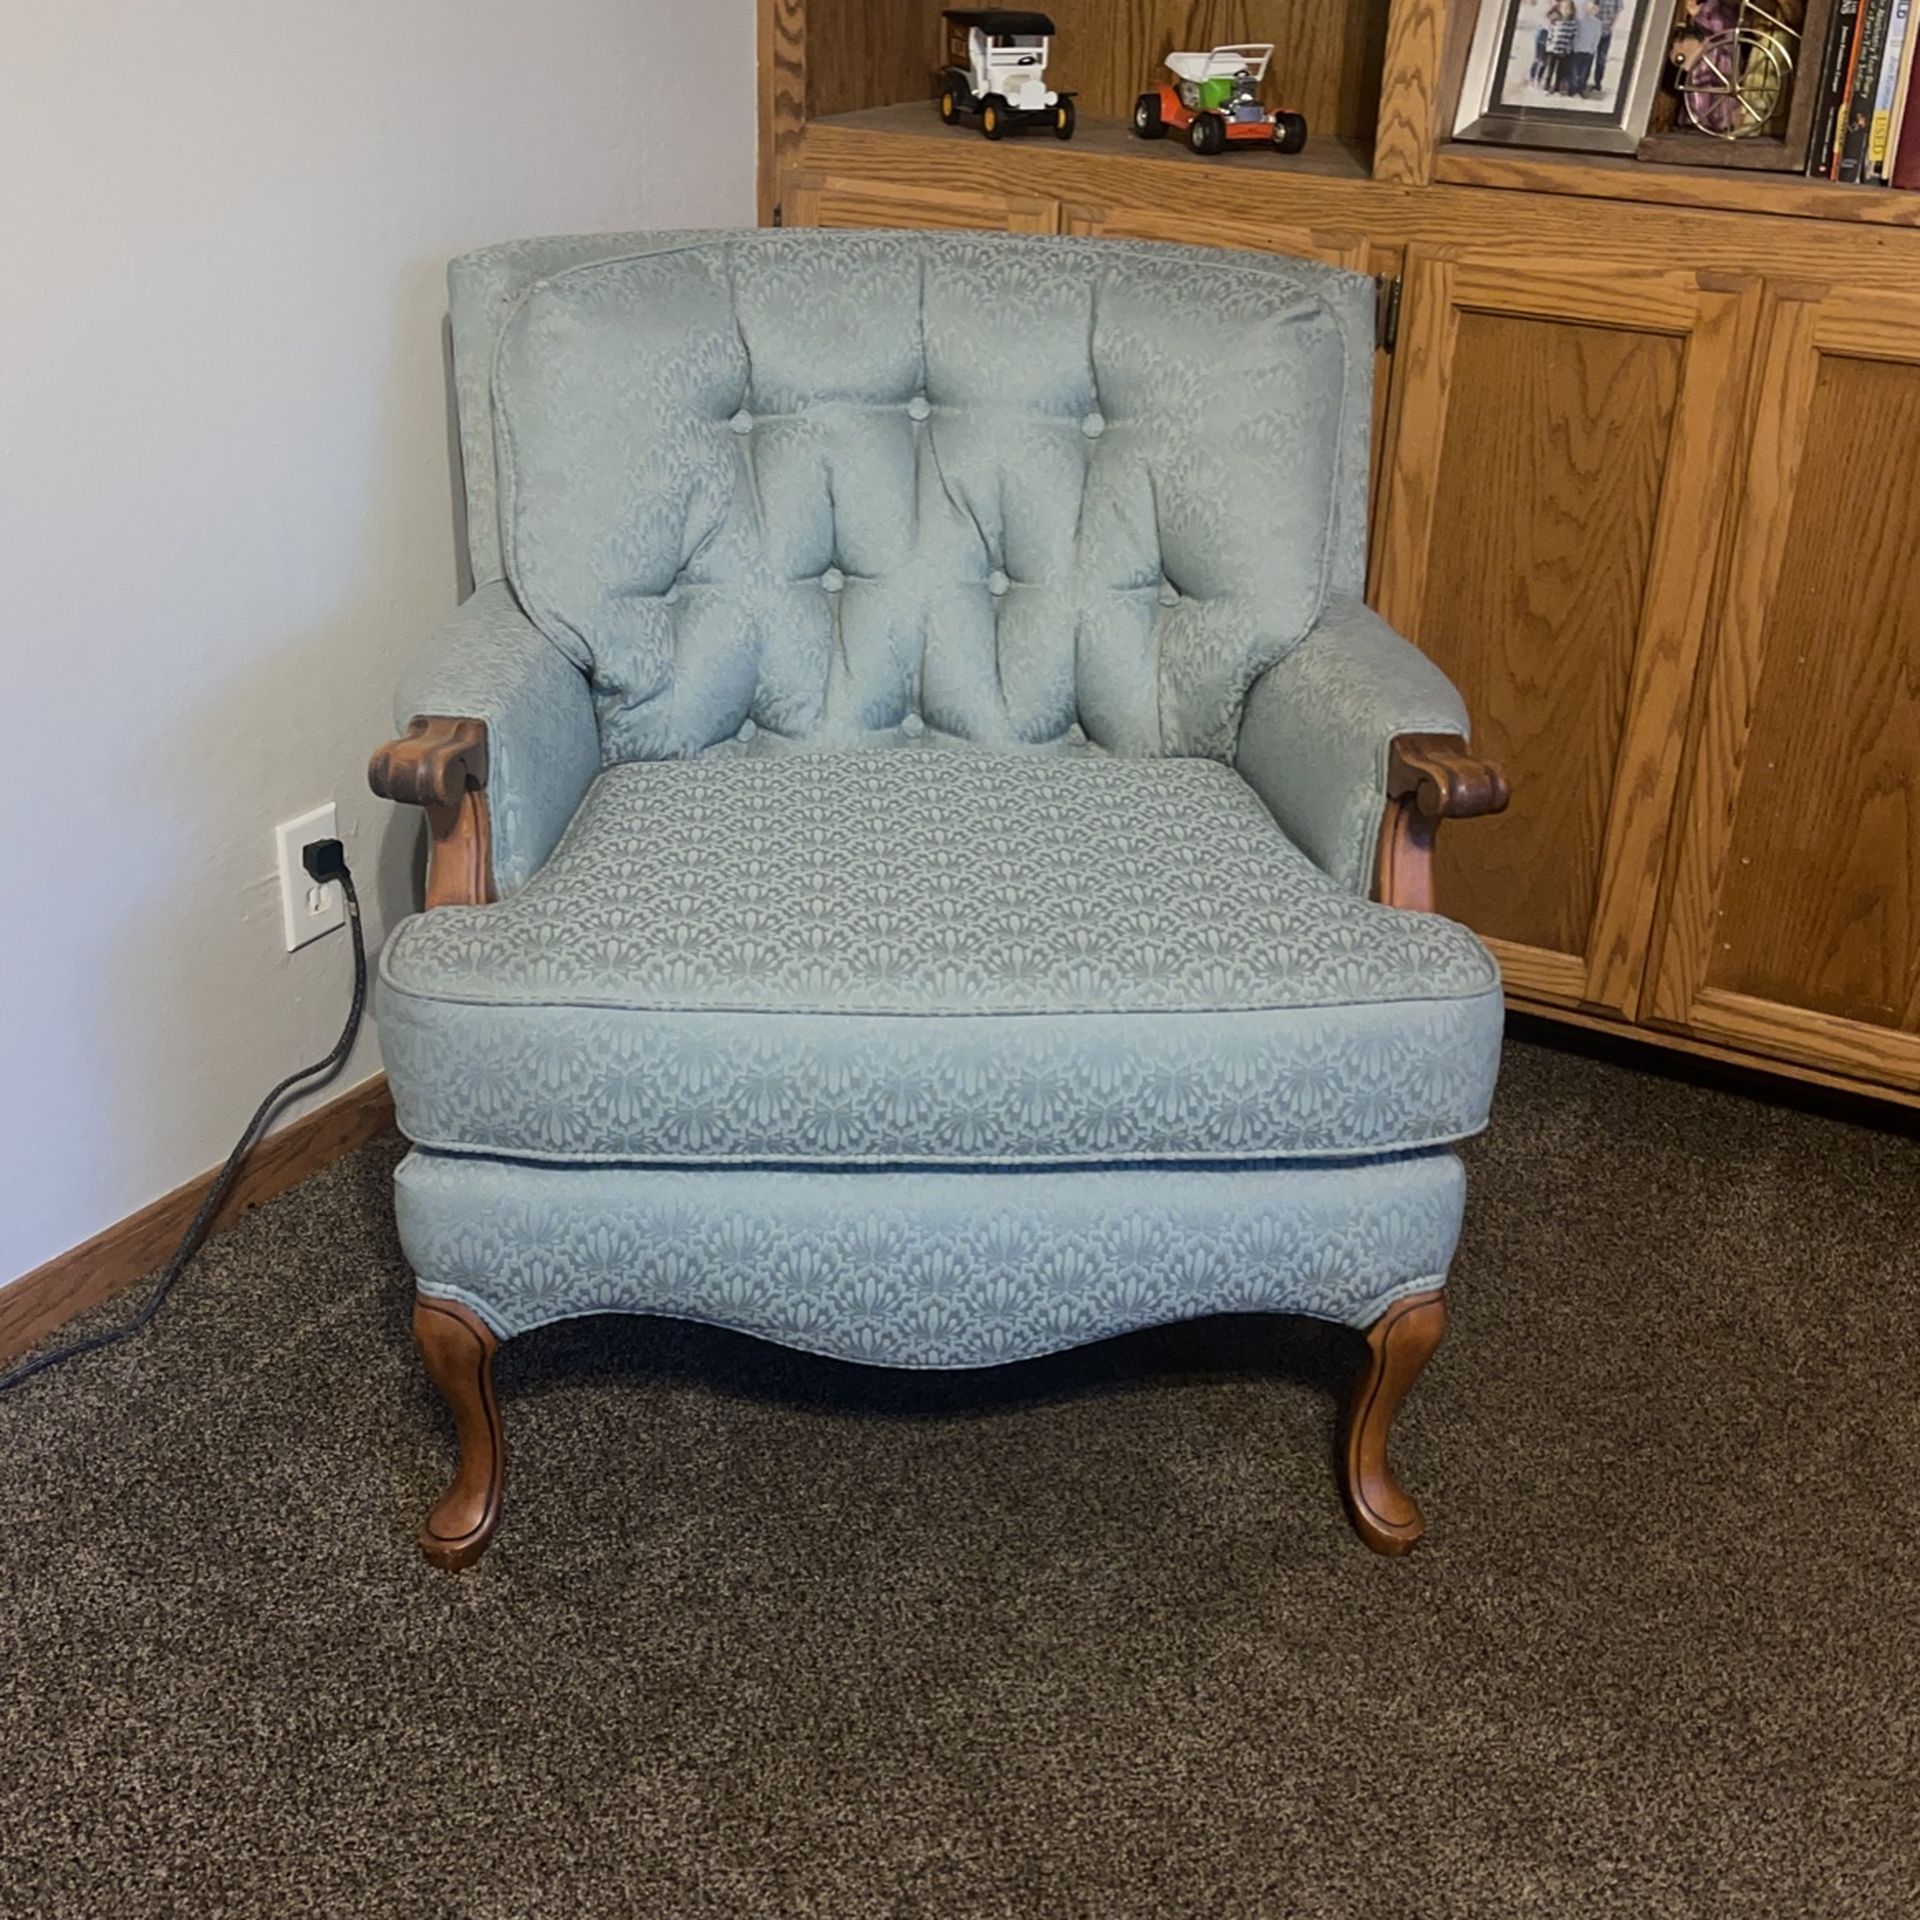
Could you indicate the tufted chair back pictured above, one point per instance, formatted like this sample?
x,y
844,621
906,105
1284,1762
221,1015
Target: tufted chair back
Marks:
x,y
828,487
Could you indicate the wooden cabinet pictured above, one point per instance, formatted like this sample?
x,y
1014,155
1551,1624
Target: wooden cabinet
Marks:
x,y
1560,437
1793,917
822,200
1641,487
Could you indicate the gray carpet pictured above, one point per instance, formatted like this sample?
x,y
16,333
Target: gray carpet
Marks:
x,y
765,1635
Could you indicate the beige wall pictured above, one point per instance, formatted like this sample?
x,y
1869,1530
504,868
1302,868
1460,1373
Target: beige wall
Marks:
x,y
225,508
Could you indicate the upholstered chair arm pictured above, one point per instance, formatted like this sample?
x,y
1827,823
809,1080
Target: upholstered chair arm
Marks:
x,y
498,743
1357,743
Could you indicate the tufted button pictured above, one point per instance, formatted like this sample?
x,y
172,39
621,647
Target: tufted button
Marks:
x,y
1094,425
747,730
913,726
742,422
1169,594
833,580
918,407
997,582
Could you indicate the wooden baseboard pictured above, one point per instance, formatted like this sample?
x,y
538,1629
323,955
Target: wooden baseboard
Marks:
x,y
1765,1076
45,1299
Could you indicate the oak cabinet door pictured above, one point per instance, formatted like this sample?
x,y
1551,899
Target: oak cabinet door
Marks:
x,y
1794,921
849,200
1560,441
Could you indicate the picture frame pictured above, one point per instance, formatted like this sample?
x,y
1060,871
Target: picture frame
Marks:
x,y
1574,74
1676,144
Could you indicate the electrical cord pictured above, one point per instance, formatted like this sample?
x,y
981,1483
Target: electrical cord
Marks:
x,y
324,860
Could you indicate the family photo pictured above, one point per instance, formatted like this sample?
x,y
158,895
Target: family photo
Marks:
x,y
1566,53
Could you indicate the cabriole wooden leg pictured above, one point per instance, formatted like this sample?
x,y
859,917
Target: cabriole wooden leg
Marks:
x,y
458,1348
1399,1344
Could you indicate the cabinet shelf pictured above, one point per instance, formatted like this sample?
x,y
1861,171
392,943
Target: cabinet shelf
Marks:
x,y
1332,158
1325,157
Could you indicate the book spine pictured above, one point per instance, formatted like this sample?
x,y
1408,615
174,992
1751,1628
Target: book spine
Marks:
x,y
1905,171
1874,165
1833,79
1866,87
1902,95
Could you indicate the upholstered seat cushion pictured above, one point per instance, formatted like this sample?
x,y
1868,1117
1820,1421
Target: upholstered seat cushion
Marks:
x,y
933,954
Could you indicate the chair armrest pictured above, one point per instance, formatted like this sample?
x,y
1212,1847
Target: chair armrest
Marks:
x,y
1430,777
1356,741
440,765
498,745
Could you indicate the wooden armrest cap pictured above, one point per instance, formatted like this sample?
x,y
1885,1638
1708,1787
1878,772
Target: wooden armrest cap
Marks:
x,y
1446,779
433,763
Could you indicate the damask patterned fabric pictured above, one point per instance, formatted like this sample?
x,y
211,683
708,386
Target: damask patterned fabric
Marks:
x,y
485,287
1317,727
817,482
491,663
935,954
928,1269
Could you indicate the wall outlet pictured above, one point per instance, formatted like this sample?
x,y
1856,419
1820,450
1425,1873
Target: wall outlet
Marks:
x,y
307,909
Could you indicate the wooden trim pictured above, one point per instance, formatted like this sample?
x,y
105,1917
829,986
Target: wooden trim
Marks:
x,y
1179,226
1618,177
440,765
1539,973
1764,1064
1416,425
1701,451
41,1302
1787,365
1328,187
1414,95
782,114
857,200
1885,1055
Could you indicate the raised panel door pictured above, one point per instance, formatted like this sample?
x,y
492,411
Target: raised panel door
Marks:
x,y
1560,440
1794,920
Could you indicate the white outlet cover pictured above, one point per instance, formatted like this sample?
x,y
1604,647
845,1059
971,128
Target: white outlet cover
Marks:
x,y
307,909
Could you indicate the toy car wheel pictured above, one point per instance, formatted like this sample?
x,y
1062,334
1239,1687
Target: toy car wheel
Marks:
x,y
1289,131
1207,134
993,117
949,106
1063,120
1147,122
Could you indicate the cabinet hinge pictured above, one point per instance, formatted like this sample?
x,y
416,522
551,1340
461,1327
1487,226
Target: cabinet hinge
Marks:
x,y
1386,311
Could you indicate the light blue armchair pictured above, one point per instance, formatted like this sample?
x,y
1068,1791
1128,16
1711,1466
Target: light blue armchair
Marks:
x,y
904,796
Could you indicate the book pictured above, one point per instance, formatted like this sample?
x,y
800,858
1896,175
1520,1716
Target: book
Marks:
x,y
1902,93
1874,164
1831,78
1870,47
1905,171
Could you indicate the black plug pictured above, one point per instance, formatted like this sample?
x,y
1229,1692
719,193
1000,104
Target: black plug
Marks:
x,y
324,860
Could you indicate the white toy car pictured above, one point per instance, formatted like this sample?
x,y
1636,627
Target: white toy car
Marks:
x,y
997,68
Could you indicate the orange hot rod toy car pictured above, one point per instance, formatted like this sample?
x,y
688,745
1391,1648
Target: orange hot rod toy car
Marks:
x,y
1214,100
